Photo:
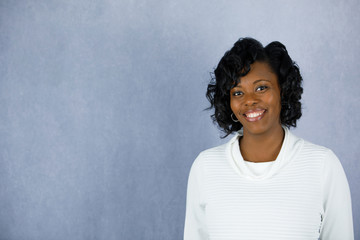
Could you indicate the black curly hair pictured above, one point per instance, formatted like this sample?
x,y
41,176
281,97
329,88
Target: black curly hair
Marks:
x,y
236,63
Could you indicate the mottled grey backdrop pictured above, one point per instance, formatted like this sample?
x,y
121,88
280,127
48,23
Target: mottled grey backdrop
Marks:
x,y
102,104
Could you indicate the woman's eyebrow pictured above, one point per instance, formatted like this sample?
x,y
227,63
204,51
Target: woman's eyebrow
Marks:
x,y
260,80
255,82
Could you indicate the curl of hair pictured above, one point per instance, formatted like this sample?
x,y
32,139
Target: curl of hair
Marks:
x,y
236,63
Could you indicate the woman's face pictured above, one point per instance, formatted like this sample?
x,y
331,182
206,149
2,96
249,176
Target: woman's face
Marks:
x,y
256,100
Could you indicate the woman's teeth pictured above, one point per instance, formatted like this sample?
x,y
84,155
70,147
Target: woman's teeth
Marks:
x,y
254,114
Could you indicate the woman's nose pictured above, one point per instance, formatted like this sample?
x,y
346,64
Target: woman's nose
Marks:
x,y
250,99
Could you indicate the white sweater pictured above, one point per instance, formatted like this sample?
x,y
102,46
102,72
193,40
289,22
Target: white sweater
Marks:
x,y
303,194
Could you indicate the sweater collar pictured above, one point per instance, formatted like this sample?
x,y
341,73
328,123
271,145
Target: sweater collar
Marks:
x,y
289,149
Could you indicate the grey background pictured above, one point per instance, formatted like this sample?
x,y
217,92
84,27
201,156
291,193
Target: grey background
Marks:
x,y
102,103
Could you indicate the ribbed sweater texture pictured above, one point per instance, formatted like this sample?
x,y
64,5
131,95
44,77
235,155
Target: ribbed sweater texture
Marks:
x,y
303,194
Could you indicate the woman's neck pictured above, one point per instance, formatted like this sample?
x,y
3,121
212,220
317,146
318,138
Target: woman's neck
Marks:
x,y
262,148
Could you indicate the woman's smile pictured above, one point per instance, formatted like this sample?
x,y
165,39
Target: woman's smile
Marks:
x,y
254,115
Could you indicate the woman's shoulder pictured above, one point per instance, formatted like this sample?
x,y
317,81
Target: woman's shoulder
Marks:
x,y
214,151
218,151
307,147
315,151
312,147
310,153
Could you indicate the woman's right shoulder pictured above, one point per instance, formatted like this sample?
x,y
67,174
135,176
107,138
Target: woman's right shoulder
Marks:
x,y
213,154
210,158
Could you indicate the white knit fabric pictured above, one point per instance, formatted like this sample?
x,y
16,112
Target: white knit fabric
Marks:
x,y
303,194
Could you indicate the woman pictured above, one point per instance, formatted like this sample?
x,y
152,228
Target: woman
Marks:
x,y
265,183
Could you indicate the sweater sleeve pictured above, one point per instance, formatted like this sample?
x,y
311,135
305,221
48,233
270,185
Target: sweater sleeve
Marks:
x,y
195,226
337,219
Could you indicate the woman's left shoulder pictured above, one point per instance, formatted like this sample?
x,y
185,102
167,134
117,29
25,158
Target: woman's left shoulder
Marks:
x,y
326,156
316,154
315,149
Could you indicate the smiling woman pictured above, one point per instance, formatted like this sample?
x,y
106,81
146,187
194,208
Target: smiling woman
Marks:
x,y
265,183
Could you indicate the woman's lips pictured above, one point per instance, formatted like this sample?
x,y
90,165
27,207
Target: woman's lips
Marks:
x,y
254,115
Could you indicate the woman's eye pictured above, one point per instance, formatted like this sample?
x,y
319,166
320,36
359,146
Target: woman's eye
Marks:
x,y
261,88
237,93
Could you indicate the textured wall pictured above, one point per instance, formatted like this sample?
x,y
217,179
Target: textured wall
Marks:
x,y
102,102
